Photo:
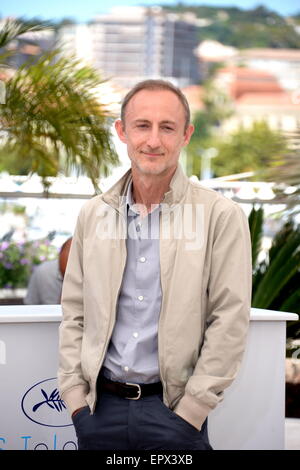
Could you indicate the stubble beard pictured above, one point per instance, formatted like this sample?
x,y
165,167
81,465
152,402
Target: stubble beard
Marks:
x,y
158,168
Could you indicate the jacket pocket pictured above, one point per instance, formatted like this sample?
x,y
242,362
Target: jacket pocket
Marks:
x,y
182,422
77,419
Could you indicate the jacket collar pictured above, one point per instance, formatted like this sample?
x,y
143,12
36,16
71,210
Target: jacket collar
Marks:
x,y
116,195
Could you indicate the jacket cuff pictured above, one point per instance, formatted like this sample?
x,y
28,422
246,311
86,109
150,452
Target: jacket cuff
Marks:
x,y
192,411
74,398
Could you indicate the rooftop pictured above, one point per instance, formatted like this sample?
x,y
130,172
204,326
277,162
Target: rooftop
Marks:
x,y
241,80
247,72
282,99
279,54
214,51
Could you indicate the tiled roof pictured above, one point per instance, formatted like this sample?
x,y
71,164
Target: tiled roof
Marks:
x,y
246,80
279,54
245,72
268,99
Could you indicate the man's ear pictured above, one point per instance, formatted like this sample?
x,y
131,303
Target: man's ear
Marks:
x,y
188,134
119,126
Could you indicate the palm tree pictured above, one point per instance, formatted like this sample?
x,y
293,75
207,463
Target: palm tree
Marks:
x,y
52,121
11,29
285,173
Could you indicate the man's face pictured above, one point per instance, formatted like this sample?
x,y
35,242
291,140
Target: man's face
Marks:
x,y
154,131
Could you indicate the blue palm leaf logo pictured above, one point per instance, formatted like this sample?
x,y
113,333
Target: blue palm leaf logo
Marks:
x,y
53,401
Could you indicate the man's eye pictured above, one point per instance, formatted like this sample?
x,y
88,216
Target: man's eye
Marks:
x,y
167,128
142,126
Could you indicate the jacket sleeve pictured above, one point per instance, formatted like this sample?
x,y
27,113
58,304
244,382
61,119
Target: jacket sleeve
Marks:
x,y
227,317
73,388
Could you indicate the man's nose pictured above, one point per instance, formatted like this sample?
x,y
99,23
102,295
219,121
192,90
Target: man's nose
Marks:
x,y
153,138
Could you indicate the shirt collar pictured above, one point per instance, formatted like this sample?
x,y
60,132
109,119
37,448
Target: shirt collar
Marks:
x,y
132,207
129,195
116,195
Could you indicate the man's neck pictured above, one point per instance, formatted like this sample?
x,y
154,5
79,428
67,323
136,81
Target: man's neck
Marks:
x,y
149,190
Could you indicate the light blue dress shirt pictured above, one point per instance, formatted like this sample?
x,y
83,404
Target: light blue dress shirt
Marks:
x,y
132,355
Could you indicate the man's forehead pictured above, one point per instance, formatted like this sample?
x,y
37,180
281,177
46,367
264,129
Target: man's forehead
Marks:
x,y
151,101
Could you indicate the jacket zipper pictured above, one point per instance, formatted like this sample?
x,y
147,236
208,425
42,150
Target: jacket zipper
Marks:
x,y
111,328
160,357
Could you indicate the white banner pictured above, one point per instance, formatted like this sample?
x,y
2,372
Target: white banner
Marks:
x,y
33,416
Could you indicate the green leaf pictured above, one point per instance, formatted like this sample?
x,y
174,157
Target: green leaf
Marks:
x,y
256,232
55,122
285,264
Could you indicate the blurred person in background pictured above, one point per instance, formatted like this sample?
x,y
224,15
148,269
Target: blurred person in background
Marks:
x,y
45,284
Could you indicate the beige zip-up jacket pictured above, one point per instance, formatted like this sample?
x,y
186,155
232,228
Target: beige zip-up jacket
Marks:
x,y
205,268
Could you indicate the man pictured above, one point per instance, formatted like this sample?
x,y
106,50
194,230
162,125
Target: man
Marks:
x,y
45,284
156,297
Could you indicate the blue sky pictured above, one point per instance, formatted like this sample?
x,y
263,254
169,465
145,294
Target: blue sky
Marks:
x,y
84,10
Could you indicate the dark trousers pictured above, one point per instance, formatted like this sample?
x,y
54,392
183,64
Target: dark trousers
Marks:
x,y
144,424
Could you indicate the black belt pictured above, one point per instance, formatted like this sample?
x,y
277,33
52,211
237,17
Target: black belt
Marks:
x,y
128,390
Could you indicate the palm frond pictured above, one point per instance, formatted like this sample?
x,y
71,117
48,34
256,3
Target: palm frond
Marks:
x,y
54,121
255,219
280,239
285,173
13,28
285,264
292,302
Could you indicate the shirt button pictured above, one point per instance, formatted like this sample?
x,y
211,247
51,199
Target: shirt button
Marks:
x,y
135,334
126,368
142,259
141,297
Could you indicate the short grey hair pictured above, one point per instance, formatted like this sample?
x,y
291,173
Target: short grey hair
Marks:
x,y
157,85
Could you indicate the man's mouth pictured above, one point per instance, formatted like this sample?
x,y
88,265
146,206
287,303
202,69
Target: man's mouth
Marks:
x,y
152,154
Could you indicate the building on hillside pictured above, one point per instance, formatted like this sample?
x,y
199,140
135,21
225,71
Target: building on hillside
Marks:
x,y
134,43
239,80
278,110
284,64
258,96
210,53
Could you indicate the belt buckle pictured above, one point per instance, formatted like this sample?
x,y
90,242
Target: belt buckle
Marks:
x,y
139,391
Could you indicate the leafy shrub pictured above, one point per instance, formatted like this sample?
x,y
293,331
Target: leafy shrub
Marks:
x,y
17,260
